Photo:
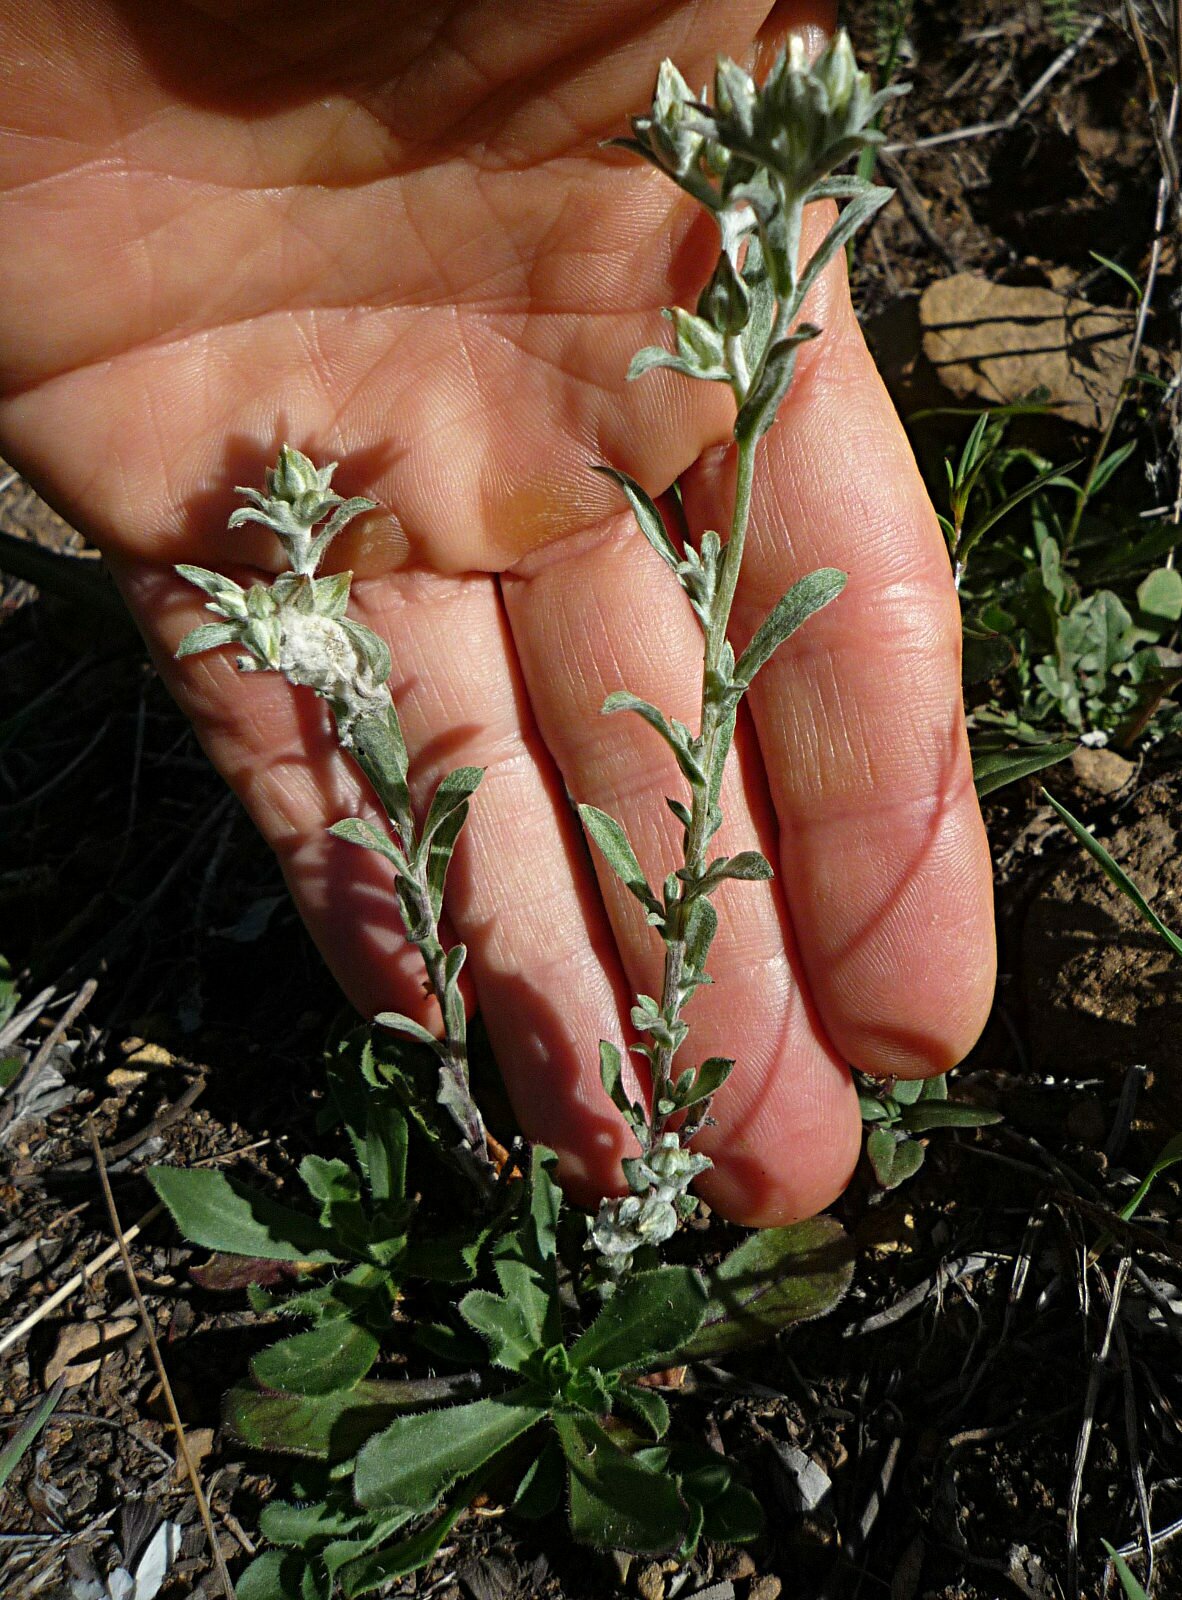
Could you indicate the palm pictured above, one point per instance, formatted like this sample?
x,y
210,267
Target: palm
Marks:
x,y
404,249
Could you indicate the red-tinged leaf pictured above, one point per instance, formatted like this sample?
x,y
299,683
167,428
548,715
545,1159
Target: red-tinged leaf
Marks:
x,y
223,1273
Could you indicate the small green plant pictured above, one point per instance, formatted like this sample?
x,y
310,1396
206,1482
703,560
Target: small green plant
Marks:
x,y
565,1314
1069,613
1131,1588
895,1117
1063,18
25,1436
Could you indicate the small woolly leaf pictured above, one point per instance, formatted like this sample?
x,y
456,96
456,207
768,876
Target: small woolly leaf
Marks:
x,y
208,637
806,596
407,1025
613,843
648,518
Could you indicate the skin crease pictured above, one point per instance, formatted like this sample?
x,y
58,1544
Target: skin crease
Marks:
x,y
237,223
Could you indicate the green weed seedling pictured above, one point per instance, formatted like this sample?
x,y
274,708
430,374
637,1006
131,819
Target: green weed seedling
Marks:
x,y
561,1314
1069,615
1064,18
894,1118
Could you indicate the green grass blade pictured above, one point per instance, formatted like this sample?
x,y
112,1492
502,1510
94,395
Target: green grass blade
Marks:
x,y
1118,875
22,1440
1132,1589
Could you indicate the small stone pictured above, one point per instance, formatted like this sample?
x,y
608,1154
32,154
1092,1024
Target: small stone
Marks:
x,y
1086,1121
1101,772
740,1566
125,1078
200,1443
650,1582
150,1055
77,1338
765,1589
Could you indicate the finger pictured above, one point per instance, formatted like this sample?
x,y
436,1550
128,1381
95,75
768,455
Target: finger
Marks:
x,y
859,715
604,614
520,892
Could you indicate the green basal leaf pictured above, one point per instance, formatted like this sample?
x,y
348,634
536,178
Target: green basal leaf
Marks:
x,y
356,830
220,1213
329,1427
647,1320
1160,594
526,1261
613,845
872,1109
502,1323
808,595
648,518
374,1569
925,1116
386,1141
993,769
334,1356
283,1522
446,1257
275,1575
418,1458
735,1517
649,1406
1117,874
541,1487
616,1503
774,1279
338,1190
906,1091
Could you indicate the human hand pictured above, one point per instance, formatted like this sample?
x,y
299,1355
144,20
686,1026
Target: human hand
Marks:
x,y
232,225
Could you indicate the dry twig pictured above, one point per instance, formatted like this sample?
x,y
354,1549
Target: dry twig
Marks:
x,y
161,1372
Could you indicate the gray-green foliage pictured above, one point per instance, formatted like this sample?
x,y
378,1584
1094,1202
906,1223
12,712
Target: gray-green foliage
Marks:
x,y
753,156
297,625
